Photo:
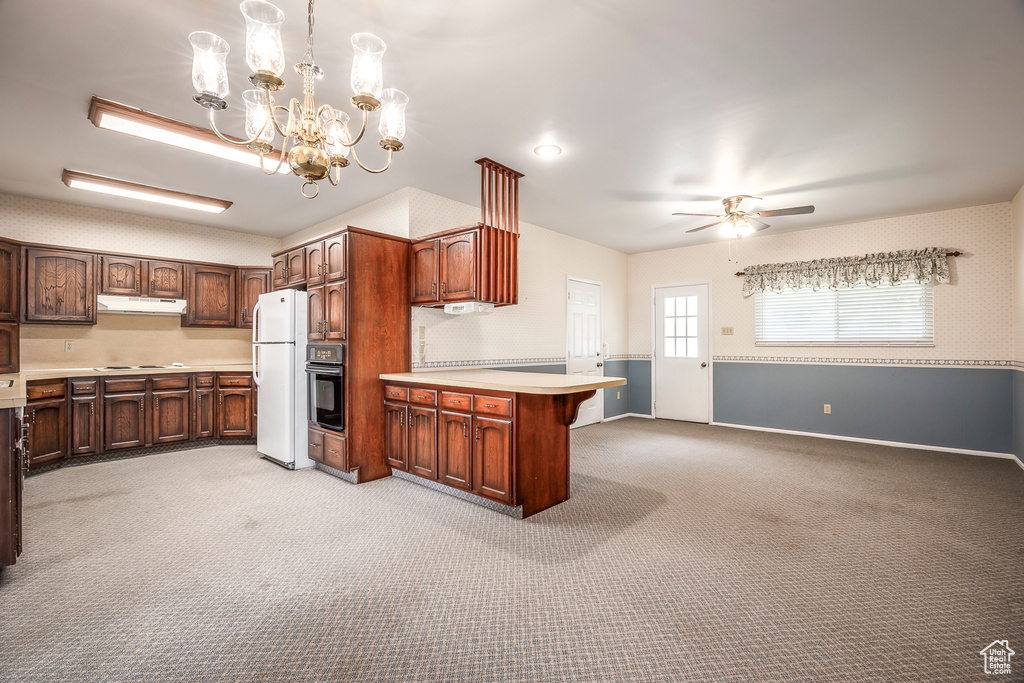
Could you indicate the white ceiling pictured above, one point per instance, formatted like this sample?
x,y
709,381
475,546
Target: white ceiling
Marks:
x,y
865,109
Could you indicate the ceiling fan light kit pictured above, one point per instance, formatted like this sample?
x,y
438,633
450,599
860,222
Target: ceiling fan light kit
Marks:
x,y
316,141
739,221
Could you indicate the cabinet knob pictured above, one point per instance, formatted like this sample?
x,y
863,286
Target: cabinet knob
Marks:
x,y
478,432
158,404
92,407
465,433
443,286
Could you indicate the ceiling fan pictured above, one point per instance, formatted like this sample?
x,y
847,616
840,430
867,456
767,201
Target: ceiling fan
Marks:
x,y
738,221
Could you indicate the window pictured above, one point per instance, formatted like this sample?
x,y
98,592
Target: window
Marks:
x,y
681,327
886,315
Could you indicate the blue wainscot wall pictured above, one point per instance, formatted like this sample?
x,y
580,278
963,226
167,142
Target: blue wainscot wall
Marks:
x,y
616,399
963,408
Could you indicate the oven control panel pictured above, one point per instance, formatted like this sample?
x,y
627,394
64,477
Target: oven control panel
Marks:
x,y
326,353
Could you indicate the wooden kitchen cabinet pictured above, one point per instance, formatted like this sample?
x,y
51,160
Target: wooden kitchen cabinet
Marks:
x,y
204,426
124,420
424,272
279,271
252,282
10,345
492,458
458,266
171,409
11,480
234,405
315,313
396,439
315,264
316,444
85,417
122,276
47,435
422,455
211,296
335,295
336,258
455,450
9,260
289,268
166,279
60,286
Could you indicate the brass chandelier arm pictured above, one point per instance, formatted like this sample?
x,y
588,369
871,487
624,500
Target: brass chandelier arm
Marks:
x,y
286,132
230,141
280,160
330,176
355,157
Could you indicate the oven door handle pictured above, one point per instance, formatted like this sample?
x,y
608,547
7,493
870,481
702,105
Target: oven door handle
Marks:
x,y
325,370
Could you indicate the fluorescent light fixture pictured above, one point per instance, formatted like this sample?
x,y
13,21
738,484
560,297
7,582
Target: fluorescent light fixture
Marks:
x,y
122,188
144,124
547,150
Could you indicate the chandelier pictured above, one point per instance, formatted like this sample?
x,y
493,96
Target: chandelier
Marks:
x,y
316,141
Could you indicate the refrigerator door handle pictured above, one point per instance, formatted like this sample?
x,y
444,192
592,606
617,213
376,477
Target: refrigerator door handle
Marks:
x,y
256,322
256,364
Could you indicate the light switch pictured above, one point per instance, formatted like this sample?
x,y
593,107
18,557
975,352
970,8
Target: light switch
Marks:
x,y
726,330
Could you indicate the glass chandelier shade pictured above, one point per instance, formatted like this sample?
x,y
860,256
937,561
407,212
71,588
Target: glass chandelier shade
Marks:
x,y
263,48
392,114
367,64
317,140
257,117
209,63
736,226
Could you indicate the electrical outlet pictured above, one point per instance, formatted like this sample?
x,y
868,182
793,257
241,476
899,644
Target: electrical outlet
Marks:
x,y
828,408
726,330
69,346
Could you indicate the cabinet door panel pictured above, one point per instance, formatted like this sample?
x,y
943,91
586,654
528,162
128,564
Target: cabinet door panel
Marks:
x,y
424,272
335,295
124,422
84,432
316,444
166,279
458,267
336,258
211,296
395,436
423,442
47,432
334,452
315,267
297,266
315,313
204,425
492,458
252,282
455,451
9,347
121,276
8,281
280,271
60,286
234,412
170,416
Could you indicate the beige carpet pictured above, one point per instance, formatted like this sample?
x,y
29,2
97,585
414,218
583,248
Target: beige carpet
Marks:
x,y
687,552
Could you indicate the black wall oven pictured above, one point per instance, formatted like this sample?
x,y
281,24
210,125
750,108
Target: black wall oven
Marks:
x,y
325,371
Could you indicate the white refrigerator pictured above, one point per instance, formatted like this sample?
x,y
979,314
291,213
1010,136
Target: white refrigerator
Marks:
x,y
279,370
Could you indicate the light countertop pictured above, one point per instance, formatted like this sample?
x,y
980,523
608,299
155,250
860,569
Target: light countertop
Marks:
x,y
504,380
14,396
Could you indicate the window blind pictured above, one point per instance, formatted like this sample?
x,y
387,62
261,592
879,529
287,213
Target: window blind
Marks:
x,y
886,315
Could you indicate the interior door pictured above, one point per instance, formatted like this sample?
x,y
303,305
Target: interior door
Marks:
x,y
583,343
682,373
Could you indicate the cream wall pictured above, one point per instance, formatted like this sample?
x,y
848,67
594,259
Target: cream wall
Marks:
x,y
1017,229
37,220
389,214
973,314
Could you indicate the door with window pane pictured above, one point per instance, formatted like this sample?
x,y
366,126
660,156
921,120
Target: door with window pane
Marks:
x,y
682,357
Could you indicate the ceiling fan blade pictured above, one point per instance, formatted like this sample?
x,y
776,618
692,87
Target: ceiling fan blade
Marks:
x,y
709,225
712,215
784,212
761,225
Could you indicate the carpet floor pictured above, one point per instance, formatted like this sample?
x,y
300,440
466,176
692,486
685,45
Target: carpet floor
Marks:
x,y
687,553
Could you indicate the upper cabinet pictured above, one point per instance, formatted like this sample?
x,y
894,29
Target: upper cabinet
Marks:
x,y
211,296
8,281
290,268
477,263
252,282
458,265
425,275
60,286
336,258
315,264
126,276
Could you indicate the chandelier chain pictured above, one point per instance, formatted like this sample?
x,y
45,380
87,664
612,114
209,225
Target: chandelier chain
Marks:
x,y
309,38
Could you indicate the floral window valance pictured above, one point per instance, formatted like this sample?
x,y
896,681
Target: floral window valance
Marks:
x,y
919,265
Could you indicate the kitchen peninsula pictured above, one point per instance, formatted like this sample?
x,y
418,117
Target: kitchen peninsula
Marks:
x,y
497,434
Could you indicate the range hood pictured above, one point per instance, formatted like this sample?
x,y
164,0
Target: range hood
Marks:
x,y
139,305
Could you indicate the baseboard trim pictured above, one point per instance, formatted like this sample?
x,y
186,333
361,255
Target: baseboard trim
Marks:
x,y
877,442
619,417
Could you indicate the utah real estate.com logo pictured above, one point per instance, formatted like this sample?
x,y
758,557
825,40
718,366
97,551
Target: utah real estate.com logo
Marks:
x,y
997,657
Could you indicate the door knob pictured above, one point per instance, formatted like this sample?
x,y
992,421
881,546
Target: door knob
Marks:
x,y
703,365
600,365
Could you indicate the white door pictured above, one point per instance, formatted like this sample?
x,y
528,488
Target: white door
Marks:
x,y
682,376
583,343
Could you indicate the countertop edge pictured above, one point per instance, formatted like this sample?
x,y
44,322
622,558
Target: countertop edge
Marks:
x,y
515,388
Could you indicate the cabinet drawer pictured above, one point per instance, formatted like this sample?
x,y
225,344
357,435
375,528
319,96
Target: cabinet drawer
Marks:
x,y
235,380
316,444
334,452
204,381
84,387
393,393
123,384
45,389
427,397
460,401
490,405
170,382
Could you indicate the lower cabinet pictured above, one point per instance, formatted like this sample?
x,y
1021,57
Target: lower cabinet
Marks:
x,y
124,421
234,405
10,487
46,413
422,454
455,451
492,462
328,448
171,416
396,440
85,417
204,402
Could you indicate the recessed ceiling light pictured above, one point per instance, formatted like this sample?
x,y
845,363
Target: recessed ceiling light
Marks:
x,y
547,150
123,188
144,124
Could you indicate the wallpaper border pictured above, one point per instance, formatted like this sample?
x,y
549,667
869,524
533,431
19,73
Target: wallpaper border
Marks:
x,y
873,361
